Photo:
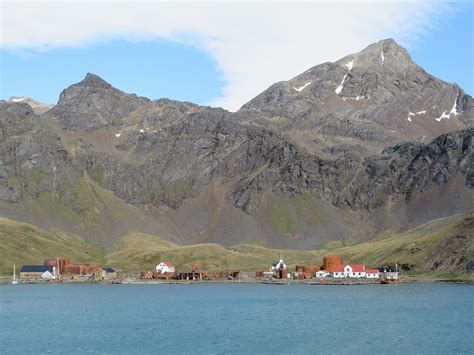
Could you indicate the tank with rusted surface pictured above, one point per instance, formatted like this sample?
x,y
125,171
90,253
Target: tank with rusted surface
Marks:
x,y
330,260
59,262
281,274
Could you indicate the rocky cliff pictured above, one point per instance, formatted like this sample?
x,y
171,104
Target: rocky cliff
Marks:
x,y
342,151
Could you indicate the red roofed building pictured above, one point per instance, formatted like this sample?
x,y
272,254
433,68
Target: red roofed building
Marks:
x,y
349,271
372,273
165,267
338,271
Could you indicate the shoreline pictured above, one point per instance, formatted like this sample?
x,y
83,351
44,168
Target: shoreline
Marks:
x,y
275,282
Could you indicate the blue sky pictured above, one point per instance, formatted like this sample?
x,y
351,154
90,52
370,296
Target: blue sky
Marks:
x,y
152,68
448,51
218,62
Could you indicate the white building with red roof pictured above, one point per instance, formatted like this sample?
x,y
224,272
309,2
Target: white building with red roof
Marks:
x,y
338,271
165,267
372,273
349,271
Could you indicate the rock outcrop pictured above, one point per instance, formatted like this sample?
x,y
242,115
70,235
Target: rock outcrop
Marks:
x,y
377,96
343,150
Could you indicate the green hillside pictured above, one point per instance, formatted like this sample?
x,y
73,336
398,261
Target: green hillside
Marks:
x,y
441,248
23,243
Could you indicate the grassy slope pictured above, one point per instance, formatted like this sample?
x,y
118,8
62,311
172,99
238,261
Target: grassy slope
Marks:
x,y
414,248
303,216
22,243
92,212
140,251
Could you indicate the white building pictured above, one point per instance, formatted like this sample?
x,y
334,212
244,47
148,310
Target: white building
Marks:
x,y
353,271
165,267
338,272
279,266
321,273
47,275
372,273
390,274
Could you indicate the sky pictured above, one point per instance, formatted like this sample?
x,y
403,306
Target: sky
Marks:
x,y
216,53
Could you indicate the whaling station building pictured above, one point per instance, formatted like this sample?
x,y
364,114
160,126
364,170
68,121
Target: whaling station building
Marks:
x,y
60,267
333,267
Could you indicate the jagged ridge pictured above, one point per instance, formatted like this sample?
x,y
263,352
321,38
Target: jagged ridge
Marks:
x,y
291,175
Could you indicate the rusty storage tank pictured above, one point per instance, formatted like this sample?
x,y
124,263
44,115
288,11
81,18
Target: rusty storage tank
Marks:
x,y
50,262
62,261
312,268
281,274
308,268
330,260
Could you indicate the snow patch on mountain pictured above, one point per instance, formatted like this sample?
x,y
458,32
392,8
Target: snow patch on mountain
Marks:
x,y
453,111
301,88
17,99
349,66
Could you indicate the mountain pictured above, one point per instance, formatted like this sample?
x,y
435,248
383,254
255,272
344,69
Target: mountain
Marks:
x,y
376,97
37,107
332,154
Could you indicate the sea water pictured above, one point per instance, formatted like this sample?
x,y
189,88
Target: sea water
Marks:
x,y
236,318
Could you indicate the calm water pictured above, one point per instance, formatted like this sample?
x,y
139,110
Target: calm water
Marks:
x,y
237,318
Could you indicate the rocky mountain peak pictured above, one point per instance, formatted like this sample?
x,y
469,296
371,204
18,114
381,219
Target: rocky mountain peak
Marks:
x,y
92,80
385,56
93,103
90,83
377,95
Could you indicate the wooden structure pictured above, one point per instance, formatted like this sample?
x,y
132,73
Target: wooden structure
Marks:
x,y
190,276
194,275
155,275
227,275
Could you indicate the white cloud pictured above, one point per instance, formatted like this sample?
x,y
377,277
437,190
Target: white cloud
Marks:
x,y
254,44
